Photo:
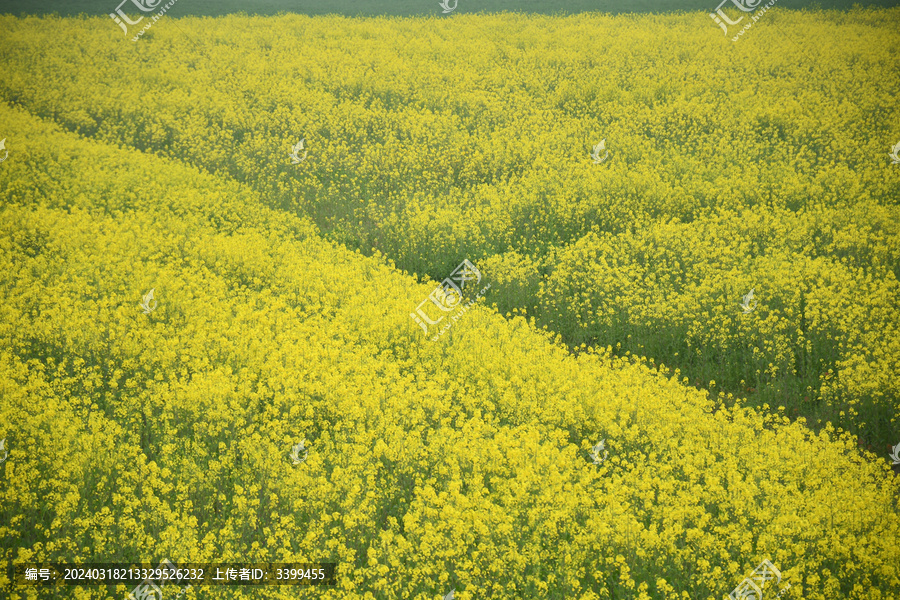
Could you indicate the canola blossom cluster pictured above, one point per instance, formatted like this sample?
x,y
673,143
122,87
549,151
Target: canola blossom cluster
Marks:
x,y
725,168
206,349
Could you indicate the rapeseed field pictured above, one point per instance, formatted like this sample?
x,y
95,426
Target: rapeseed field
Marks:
x,y
616,418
